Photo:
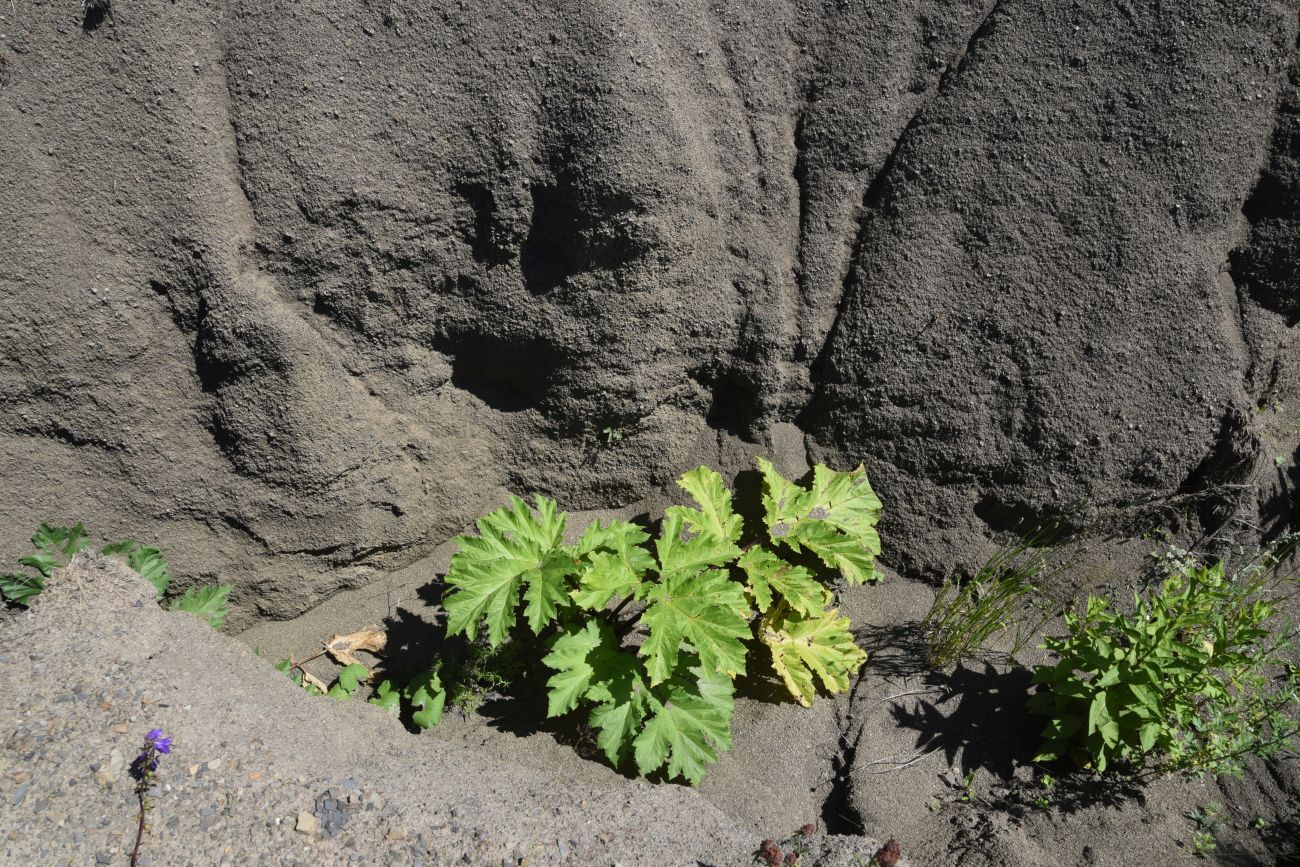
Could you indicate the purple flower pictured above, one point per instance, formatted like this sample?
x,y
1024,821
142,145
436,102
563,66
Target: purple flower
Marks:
x,y
155,741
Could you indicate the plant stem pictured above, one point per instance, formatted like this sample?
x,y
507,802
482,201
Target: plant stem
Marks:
x,y
139,831
626,627
613,615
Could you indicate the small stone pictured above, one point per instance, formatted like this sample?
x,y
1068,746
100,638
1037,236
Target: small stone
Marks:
x,y
121,728
207,823
104,777
214,764
395,833
103,858
307,823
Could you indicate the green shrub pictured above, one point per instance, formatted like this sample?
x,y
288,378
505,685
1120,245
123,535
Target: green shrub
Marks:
x,y
698,593
1195,680
55,547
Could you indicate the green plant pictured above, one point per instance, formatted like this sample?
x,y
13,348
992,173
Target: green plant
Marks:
x,y
480,672
423,695
1193,681
208,602
1206,820
1002,596
55,547
349,680
967,786
148,562
698,593
1043,799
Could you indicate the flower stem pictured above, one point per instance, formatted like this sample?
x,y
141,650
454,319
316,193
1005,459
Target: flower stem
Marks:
x,y
139,831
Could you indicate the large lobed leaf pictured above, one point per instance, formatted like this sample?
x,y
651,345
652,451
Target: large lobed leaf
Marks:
x,y
704,609
715,517
835,518
804,647
683,723
514,549
147,561
209,602
616,564
768,573
689,727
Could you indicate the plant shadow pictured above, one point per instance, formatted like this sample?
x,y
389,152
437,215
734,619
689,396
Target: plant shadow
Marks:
x,y
418,640
988,729
894,650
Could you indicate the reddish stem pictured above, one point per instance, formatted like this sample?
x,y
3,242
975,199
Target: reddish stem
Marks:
x,y
139,833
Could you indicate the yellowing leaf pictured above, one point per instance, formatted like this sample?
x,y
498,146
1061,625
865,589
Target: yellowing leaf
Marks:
x,y
767,572
806,646
835,518
715,517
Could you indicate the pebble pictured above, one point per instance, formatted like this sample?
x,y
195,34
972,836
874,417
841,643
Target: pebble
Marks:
x,y
103,858
20,793
307,823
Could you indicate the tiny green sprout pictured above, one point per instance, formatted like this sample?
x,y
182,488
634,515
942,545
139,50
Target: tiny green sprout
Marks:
x,y
1203,843
611,435
967,786
1206,820
1261,823
1048,782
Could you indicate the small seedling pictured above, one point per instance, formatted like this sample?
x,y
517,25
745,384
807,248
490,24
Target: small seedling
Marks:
x,y
1207,820
611,435
349,681
1043,799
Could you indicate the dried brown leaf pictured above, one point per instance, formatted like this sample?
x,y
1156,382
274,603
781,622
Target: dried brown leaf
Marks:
x,y
342,647
310,679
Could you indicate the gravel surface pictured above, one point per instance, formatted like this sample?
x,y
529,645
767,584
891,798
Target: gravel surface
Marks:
x,y
262,773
